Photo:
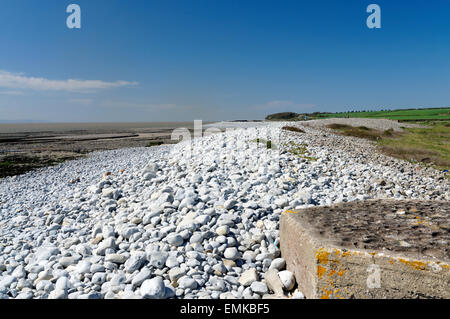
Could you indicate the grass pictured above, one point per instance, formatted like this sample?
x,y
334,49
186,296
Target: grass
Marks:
x,y
429,146
263,141
6,163
418,114
293,129
300,150
362,132
431,114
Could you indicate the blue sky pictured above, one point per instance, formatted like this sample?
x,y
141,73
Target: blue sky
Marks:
x,y
165,60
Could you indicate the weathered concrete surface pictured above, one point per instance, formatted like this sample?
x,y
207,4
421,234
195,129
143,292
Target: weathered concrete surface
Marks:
x,y
371,249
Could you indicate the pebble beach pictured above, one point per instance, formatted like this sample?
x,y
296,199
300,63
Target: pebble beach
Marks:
x,y
194,220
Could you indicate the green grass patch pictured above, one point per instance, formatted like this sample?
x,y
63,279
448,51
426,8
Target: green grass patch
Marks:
x,y
293,129
431,114
268,143
361,131
259,140
5,163
300,150
430,146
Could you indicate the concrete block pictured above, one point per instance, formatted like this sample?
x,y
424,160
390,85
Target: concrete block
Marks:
x,y
370,249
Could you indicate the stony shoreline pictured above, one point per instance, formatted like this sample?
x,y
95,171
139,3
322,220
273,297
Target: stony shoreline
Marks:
x,y
156,223
27,147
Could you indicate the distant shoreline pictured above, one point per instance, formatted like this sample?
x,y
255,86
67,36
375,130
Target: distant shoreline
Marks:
x,y
26,146
8,128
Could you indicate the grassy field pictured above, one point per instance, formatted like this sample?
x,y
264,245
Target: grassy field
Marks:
x,y
401,115
429,146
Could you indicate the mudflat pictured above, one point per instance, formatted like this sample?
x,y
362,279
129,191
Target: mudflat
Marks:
x,y
27,146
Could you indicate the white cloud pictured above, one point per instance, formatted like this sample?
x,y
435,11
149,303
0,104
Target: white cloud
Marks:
x,y
19,81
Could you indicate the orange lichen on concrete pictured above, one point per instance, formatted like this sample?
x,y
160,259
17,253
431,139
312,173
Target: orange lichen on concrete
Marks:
x,y
326,294
289,211
343,253
416,264
346,253
329,267
320,271
322,256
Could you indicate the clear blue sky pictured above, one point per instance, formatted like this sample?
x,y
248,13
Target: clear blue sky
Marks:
x,y
141,60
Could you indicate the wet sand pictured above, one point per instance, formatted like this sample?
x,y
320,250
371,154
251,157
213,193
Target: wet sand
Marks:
x,y
27,146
